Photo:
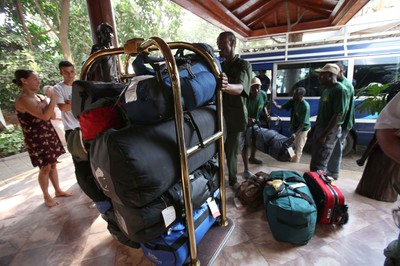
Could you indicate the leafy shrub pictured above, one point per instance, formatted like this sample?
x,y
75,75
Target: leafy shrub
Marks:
x,y
374,98
11,141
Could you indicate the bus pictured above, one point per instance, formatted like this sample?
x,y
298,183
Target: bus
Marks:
x,y
367,59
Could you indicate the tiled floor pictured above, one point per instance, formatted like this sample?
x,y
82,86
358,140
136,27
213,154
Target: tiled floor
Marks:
x,y
74,234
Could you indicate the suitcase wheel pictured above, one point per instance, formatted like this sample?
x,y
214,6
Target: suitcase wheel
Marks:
x,y
345,219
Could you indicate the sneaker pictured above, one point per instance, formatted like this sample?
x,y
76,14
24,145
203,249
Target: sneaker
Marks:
x,y
334,176
254,161
247,174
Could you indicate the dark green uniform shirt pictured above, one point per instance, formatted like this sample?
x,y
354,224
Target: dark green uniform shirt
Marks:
x,y
332,102
238,71
300,114
349,118
256,105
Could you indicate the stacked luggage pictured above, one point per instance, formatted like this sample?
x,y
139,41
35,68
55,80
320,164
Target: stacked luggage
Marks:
x,y
135,155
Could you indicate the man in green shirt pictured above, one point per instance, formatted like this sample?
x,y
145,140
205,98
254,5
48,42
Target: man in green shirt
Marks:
x,y
348,122
331,112
235,85
299,120
256,107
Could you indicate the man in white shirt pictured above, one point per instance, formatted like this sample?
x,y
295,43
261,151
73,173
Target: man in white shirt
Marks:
x,y
83,171
64,91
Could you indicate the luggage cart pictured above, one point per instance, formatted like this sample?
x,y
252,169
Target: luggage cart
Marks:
x,y
217,235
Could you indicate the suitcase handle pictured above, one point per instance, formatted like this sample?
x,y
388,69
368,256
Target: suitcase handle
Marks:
x,y
324,177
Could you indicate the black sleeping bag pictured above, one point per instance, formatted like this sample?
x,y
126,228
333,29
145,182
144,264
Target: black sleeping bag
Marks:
x,y
270,142
137,164
146,223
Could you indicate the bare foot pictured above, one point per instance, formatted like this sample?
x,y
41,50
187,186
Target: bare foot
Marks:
x,y
63,194
50,202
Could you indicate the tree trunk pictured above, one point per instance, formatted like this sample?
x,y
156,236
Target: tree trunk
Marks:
x,y
21,17
63,34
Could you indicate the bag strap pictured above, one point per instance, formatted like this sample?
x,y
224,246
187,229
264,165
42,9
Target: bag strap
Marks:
x,y
193,123
297,193
84,96
295,226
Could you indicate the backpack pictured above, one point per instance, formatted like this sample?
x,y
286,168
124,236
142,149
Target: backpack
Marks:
x,y
101,115
251,190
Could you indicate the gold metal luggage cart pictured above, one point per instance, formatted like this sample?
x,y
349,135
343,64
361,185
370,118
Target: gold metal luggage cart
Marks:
x,y
136,46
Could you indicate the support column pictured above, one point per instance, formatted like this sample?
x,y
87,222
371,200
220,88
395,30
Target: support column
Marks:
x,y
100,12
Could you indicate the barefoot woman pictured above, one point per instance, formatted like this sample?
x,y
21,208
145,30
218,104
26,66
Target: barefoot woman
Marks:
x,y
41,140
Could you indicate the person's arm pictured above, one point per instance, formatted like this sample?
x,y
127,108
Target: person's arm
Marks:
x,y
225,86
41,110
371,146
277,106
389,142
63,104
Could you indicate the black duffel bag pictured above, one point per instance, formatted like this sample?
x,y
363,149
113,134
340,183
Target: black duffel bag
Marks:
x,y
85,93
137,164
146,223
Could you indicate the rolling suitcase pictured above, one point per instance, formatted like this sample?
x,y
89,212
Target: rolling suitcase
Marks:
x,y
328,198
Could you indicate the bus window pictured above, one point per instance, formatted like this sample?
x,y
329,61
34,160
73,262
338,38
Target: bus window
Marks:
x,y
381,70
291,76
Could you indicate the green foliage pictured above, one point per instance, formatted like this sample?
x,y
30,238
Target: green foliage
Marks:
x,y
134,18
147,18
374,98
79,35
11,141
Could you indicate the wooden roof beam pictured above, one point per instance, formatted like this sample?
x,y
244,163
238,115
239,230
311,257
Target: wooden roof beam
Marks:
x,y
274,4
323,23
345,10
216,13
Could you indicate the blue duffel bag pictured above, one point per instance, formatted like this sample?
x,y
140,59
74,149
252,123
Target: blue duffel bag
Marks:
x,y
291,211
148,99
172,248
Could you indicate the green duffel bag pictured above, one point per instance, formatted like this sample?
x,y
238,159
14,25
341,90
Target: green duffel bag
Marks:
x,y
291,211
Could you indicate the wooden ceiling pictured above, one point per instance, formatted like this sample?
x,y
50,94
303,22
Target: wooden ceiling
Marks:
x,y
255,19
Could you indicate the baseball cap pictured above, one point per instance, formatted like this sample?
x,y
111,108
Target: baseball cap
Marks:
x,y
333,68
255,81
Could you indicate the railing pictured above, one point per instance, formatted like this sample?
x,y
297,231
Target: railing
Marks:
x,y
332,41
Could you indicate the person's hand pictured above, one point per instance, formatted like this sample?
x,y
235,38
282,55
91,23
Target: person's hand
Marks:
x,y
251,121
222,81
54,97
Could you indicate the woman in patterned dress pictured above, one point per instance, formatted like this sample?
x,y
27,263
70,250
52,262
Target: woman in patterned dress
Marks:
x,y
41,140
